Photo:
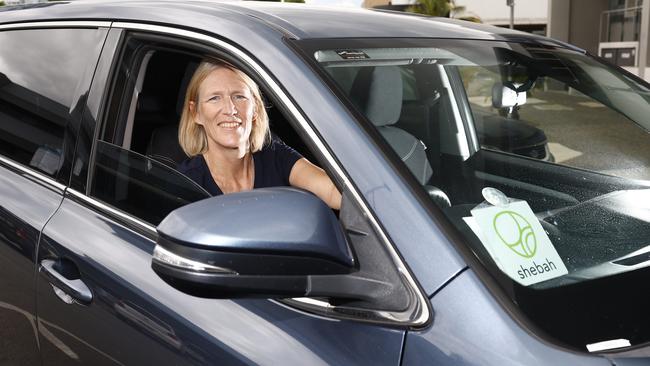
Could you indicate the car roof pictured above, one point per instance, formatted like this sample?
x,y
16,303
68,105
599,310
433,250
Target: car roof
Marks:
x,y
297,21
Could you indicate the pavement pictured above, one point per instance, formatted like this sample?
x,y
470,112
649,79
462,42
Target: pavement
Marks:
x,y
584,133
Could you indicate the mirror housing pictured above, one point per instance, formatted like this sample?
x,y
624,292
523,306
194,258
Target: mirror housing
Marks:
x,y
261,243
504,96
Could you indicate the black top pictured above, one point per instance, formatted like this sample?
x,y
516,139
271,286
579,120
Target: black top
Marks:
x,y
273,165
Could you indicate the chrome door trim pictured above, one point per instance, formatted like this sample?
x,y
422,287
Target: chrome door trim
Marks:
x,y
56,24
32,173
147,227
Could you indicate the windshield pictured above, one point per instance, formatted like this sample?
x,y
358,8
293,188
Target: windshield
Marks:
x,y
539,156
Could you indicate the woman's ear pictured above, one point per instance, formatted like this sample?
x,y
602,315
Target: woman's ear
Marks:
x,y
192,107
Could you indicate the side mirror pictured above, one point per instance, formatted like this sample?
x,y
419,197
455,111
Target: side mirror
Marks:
x,y
261,243
505,96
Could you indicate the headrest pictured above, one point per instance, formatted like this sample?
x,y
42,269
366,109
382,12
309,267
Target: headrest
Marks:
x,y
377,91
185,82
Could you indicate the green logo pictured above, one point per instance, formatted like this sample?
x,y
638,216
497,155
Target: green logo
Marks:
x,y
515,232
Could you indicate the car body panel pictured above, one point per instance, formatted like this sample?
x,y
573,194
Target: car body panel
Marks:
x,y
130,302
28,199
467,322
27,204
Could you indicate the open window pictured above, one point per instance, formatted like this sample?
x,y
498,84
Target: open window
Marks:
x,y
138,149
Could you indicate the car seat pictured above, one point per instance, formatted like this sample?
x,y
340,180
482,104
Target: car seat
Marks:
x,y
377,92
163,144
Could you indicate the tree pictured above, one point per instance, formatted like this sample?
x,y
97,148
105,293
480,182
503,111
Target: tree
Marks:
x,y
438,8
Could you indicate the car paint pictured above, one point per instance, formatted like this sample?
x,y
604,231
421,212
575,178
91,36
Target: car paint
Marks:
x,y
132,303
27,204
136,318
28,200
467,322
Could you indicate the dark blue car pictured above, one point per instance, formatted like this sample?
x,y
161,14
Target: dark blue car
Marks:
x,y
449,249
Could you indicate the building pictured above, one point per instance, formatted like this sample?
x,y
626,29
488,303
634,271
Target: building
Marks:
x,y
616,30
529,15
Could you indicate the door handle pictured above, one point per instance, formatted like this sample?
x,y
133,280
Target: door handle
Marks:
x,y
68,290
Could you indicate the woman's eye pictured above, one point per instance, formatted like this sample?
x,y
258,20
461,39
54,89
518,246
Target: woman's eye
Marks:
x,y
240,97
214,98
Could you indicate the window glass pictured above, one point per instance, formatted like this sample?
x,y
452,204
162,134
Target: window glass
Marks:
x,y
138,152
539,156
140,186
556,113
40,76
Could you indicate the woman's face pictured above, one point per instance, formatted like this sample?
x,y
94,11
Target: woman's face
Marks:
x,y
225,109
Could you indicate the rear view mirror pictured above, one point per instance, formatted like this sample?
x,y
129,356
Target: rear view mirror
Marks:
x,y
505,96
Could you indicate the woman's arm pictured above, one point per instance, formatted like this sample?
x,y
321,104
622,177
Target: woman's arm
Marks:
x,y
308,176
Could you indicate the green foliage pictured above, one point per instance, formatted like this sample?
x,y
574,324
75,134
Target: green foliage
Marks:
x,y
2,3
438,8
295,1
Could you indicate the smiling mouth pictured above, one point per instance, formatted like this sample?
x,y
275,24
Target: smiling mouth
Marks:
x,y
229,124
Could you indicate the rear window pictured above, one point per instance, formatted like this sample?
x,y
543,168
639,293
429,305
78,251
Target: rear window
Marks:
x,y
42,76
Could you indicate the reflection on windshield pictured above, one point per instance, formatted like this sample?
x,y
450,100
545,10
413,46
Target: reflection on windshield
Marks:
x,y
563,137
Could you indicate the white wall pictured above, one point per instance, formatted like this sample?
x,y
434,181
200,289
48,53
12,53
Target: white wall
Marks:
x,y
497,12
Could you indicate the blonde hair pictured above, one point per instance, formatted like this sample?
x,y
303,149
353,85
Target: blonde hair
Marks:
x,y
192,136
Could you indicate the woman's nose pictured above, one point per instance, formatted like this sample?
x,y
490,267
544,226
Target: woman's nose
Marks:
x,y
230,107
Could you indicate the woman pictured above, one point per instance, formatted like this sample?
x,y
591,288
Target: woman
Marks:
x,y
224,129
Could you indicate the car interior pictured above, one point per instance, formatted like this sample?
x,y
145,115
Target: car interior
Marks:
x,y
159,107
144,135
563,198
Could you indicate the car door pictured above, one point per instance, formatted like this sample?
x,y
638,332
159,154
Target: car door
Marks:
x,y
42,91
99,300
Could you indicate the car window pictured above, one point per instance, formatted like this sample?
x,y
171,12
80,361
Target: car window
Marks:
x,y
142,186
38,87
539,157
138,152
